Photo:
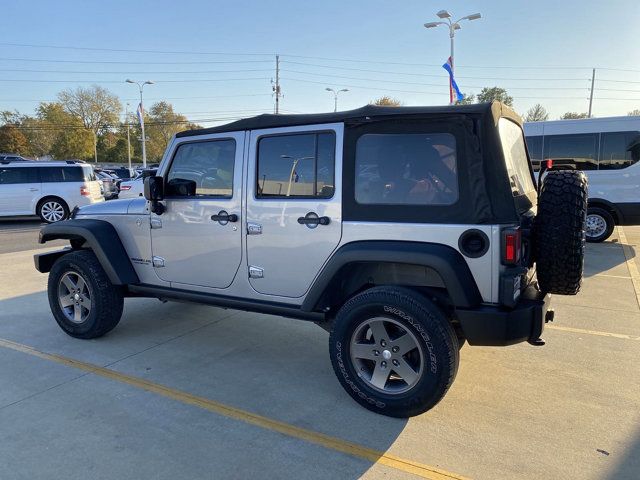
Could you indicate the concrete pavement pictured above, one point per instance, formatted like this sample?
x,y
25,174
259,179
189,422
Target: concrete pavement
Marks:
x,y
570,409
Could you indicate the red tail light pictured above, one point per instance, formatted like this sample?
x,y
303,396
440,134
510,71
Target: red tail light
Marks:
x,y
511,246
125,187
84,191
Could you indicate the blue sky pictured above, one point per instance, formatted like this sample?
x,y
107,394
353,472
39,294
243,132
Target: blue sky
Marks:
x,y
380,45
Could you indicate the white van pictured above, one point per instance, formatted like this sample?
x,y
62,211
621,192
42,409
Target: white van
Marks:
x,y
48,189
608,150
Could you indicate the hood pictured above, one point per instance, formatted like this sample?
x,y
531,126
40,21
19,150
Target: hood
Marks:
x,y
112,207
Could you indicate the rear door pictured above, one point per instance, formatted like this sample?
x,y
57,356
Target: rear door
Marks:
x,y
294,198
19,189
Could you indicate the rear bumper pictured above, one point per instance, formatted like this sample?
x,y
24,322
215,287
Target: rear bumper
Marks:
x,y
499,326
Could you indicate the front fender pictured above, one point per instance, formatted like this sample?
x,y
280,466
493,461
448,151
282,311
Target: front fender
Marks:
x,y
101,237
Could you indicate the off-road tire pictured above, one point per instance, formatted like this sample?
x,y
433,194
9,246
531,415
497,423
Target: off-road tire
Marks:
x,y
559,232
106,299
609,221
429,326
47,203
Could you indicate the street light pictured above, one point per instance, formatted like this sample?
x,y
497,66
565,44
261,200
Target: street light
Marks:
x,y
144,140
453,26
335,96
293,168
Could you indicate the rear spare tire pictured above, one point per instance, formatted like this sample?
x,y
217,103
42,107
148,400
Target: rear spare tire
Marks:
x,y
559,232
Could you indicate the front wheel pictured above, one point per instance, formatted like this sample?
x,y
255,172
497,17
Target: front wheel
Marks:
x,y
51,210
394,351
599,226
83,300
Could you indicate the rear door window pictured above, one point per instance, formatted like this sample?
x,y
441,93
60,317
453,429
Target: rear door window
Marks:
x,y
515,157
534,146
12,176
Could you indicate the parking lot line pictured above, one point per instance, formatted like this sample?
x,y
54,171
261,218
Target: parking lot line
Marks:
x,y
327,441
631,264
593,332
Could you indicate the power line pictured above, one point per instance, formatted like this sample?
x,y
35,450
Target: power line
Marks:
x,y
123,50
119,81
120,62
413,74
425,84
130,72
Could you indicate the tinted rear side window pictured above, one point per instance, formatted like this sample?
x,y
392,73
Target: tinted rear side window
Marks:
x,y
12,176
572,151
65,174
615,150
406,169
534,146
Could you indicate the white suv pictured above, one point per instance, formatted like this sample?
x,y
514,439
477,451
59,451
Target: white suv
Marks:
x,y
48,189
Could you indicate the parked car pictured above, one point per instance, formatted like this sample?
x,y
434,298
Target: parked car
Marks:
x,y
48,189
109,184
124,173
132,188
608,150
404,231
10,157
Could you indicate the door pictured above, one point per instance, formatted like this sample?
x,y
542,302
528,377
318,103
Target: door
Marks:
x,y
197,240
19,190
294,214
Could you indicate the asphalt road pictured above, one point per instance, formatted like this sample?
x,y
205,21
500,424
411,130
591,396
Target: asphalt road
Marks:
x,y
189,391
21,233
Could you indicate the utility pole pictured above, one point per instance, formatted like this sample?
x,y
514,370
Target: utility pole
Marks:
x,y
276,85
126,119
593,81
141,117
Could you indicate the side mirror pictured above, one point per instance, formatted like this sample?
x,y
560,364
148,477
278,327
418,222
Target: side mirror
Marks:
x,y
154,192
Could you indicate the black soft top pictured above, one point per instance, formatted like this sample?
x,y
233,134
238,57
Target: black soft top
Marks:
x,y
492,109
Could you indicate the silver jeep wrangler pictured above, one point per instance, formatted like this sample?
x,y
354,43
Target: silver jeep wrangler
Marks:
x,y
404,232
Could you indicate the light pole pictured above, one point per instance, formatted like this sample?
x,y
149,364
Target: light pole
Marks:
x,y
293,169
141,114
126,119
453,26
335,96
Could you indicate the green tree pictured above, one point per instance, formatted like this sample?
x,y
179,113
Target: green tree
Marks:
x,y
161,124
467,99
386,101
537,113
573,115
58,133
96,107
495,94
12,140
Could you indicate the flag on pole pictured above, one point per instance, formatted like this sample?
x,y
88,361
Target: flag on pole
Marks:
x,y
140,112
453,86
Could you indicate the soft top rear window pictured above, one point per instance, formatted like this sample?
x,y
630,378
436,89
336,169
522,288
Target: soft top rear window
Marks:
x,y
515,157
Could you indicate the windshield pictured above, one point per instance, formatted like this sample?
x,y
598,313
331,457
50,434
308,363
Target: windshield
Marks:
x,y
515,157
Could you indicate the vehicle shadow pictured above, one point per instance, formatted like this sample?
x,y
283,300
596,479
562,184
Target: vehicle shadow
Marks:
x,y
605,257
265,365
629,466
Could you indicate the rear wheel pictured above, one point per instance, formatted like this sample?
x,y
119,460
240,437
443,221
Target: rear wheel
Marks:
x,y
394,351
600,225
83,300
52,209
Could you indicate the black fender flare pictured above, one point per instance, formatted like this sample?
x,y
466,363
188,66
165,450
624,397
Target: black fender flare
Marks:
x,y
446,261
100,236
